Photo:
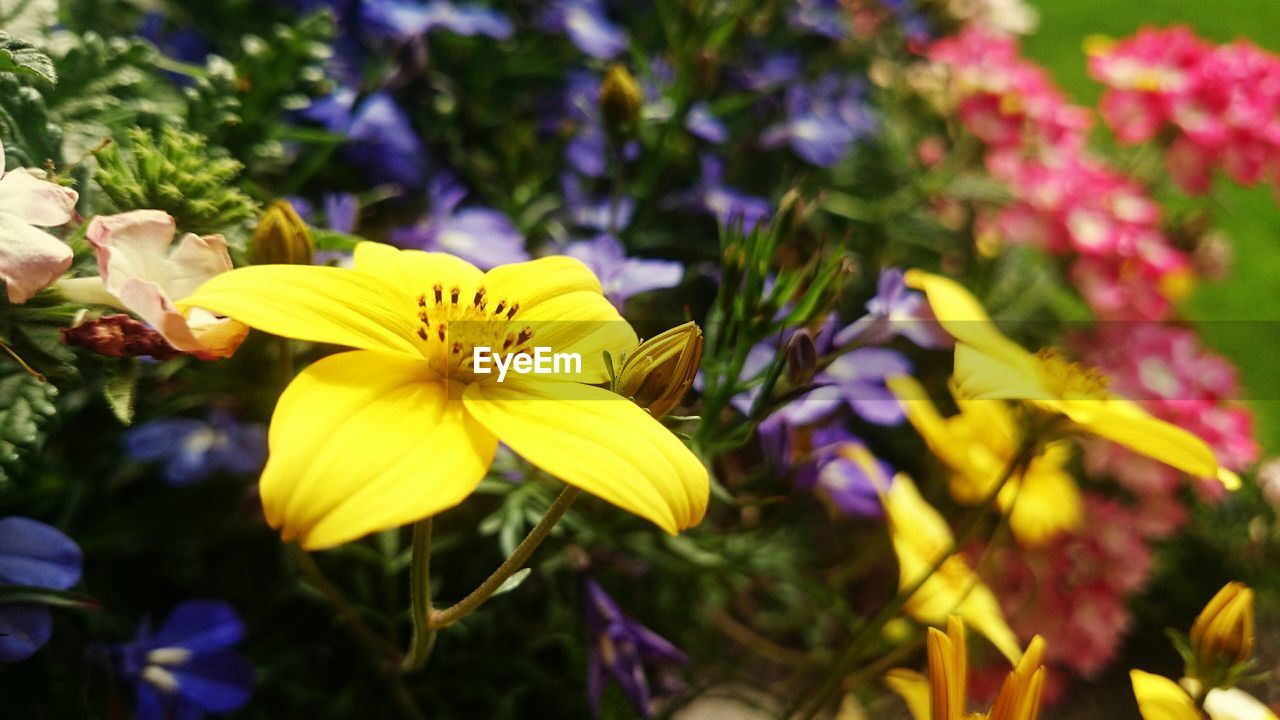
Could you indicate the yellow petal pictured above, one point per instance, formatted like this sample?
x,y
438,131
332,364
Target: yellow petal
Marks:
x,y
1045,502
536,281
961,315
981,376
597,441
1123,422
366,441
319,304
1160,698
585,323
413,271
913,688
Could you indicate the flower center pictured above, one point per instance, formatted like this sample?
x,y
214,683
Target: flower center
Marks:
x,y
1071,380
453,321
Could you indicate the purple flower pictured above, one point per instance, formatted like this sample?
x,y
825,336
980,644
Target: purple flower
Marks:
x,y
895,310
915,26
32,554
406,20
341,211
857,379
770,72
587,26
828,18
587,150
481,236
380,139
192,450
184,44
594,213
728,205
824,119
621,276
188,668
703,125
626,650
827,460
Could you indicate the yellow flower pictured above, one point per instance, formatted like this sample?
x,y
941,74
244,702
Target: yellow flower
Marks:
x,y
920,537
989,366
1222,634
1160,698
943,695
406,425
978,444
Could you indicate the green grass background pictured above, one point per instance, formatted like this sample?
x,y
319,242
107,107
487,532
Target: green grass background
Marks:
x,y
1241,315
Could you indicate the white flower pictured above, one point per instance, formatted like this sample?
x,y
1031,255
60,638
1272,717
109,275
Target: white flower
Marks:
x,y
31,258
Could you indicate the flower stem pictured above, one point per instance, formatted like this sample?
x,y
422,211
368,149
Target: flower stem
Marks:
x,y
375,644
424,636
443,618
843,666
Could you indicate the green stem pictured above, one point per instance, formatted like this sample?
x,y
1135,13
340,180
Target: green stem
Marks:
x,y
424,636
464,607
844,665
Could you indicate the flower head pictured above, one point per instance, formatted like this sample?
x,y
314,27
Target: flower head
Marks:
x,y
587,26
623,648
188,668
143,273
31,258
895,310
824,119
406,425
620,276
32,554
481,236
192,450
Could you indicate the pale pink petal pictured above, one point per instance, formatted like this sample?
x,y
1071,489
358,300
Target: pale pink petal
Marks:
x,y
30,258
196,260
204,335
131,245
36,201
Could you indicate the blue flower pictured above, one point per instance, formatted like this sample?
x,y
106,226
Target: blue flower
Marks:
x,y
587,26
32,554
895,310
824,119
828,18
195,449
338,211
184,44
380,139
856,378
770,72
594,213
729,205
481,236
827,460
915,26
622,276
627,651
188,669
405,20
703,125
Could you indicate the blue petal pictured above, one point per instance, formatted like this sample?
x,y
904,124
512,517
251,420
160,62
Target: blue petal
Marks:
x,y
484,237
472,20
591,31
24,629
384,143
33,553
397,19
704,125
201,626
159,439
215,682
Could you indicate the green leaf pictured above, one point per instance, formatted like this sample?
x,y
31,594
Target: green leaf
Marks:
x,y
21,57
514,581
334,241
26,408
121,388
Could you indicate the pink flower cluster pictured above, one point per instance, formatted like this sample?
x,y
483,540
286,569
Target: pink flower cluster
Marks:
x,y
1218,106
1073,591
1066,201
1167,370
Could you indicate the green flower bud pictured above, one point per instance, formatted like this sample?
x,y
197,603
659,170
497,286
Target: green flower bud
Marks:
x,y
620,102
659,372
281,238
802,358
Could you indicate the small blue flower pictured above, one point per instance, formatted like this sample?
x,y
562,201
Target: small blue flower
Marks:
x,y
405,20
770,72
621,276
340,211
192,450
827,460
729,205
188,669
184,44
587,26
600,214
895,310
828,18
705,126
627,651
32,554
380,139
824,119
481,236
856,378
915,26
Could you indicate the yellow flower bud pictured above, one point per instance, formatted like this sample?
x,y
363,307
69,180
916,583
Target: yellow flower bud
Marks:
x,y
1222,635
659,372
281,238
620,102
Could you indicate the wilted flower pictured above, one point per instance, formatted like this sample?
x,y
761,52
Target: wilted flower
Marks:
x,y
481,236
658,373
31,258
624,649
192,450
32,554
188,668
142,273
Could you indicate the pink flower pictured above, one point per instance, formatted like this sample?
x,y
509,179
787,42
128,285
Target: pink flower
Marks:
x,y
142,273
30,258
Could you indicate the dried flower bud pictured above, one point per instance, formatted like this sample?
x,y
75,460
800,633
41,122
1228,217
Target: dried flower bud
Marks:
x,y
659,372
1222,635
802,358
281,238
620,102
